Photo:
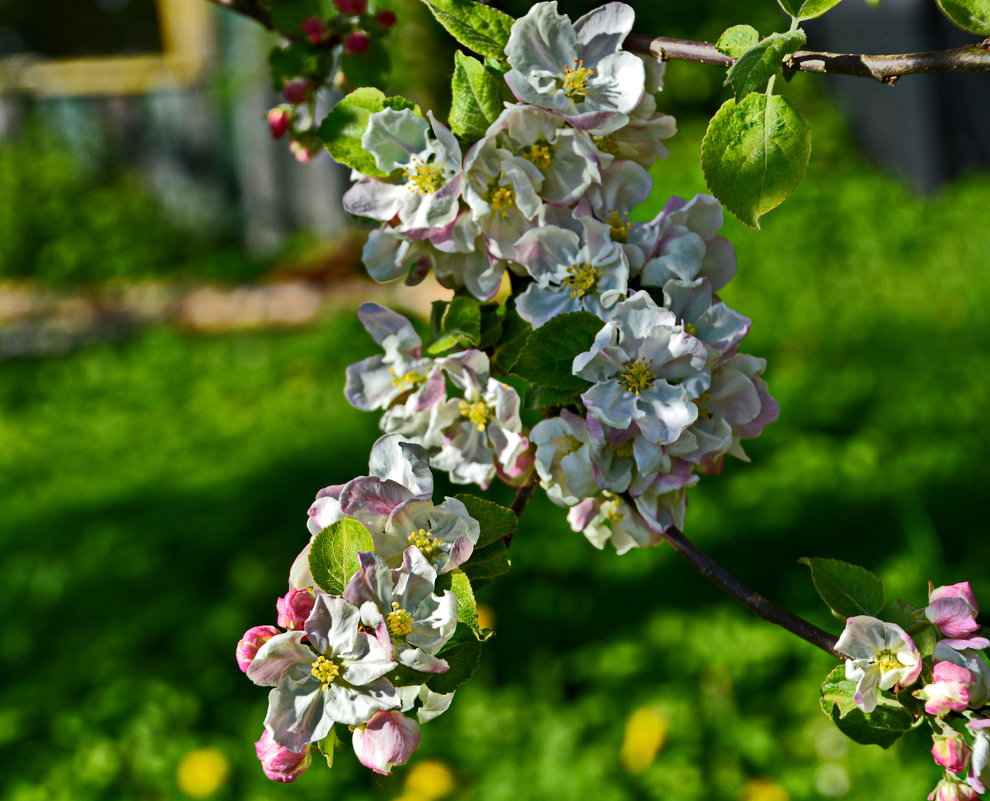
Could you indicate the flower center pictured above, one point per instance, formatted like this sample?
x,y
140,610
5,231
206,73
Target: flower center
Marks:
x,y
618,223
606,144
704,397
426,542
399,621
625,450
690,329
501,199
539,155
423,178
325,670
887,660
580,279
478,413
411,379
636,375
576,80
610,509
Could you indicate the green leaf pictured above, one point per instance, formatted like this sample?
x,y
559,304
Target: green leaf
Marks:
x,y
754,154
807,9
848,590
761,62
515,333
883,726
487,563
333,557
343,127
367,69
538,397
467,607
737,40
459,325
970,15
496,521
288,15
549,352
330,745
463,653
289,61
480,28
476,98
491,325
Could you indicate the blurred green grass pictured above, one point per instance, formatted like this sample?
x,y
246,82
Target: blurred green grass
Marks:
x,y
155,490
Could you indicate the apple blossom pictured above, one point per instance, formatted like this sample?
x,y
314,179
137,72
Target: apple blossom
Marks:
x,y
881,656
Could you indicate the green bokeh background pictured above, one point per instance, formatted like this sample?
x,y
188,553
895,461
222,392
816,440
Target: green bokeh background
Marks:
x,y
154,493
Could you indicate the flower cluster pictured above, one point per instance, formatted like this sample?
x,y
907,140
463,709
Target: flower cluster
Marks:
x,y
311,62
362,659
547,194
956,682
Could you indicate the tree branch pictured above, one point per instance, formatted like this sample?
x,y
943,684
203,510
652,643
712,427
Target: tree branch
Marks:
x,y
522,498
885,68
766,609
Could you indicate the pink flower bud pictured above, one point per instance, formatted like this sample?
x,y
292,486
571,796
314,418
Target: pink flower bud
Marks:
x,y
296,90
315,29
279,122
386,19
953,609
252,640
279,763
294,607
351,8
950,750
357,43
390,738
949,689
302,151
951,789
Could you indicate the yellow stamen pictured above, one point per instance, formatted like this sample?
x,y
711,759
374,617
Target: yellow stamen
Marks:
x,y
887,660
606,144
412,379
425,541
501,199
618,223
539,155
625,450
478,413
575,83
690,329
637,375
325,670
580,279
399,621
611,511
703,398
423,178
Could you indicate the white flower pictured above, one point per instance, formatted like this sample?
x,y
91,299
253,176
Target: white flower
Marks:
x,y
881,656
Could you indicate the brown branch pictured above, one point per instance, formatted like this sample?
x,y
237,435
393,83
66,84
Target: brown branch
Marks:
x,y
885,68
763,607
522,498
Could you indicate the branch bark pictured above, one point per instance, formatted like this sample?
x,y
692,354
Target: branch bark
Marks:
x,y
885,68
763,607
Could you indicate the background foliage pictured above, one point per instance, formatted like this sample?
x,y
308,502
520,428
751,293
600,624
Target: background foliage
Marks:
x,y
154,495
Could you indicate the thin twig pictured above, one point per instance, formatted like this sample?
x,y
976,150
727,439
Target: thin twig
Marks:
x,y
519,502
763,607
885,68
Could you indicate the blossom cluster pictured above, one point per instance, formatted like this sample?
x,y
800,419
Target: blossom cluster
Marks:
x,y
362,659
955,682
547,195
314,61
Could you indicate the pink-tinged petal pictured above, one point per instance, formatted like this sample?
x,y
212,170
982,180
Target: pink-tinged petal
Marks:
x,y
404,463
960,590
948,671
251,642
371,500
953,615
601,32
278,656
389,739
300,576
279,763
294,607
376,200
978,643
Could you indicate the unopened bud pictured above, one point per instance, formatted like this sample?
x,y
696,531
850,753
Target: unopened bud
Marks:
x,y
951,789
293,608
351,8
279,763
389,739
357,43
315,29
252,640
303,151
386,19
279,121
950,750
296,90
